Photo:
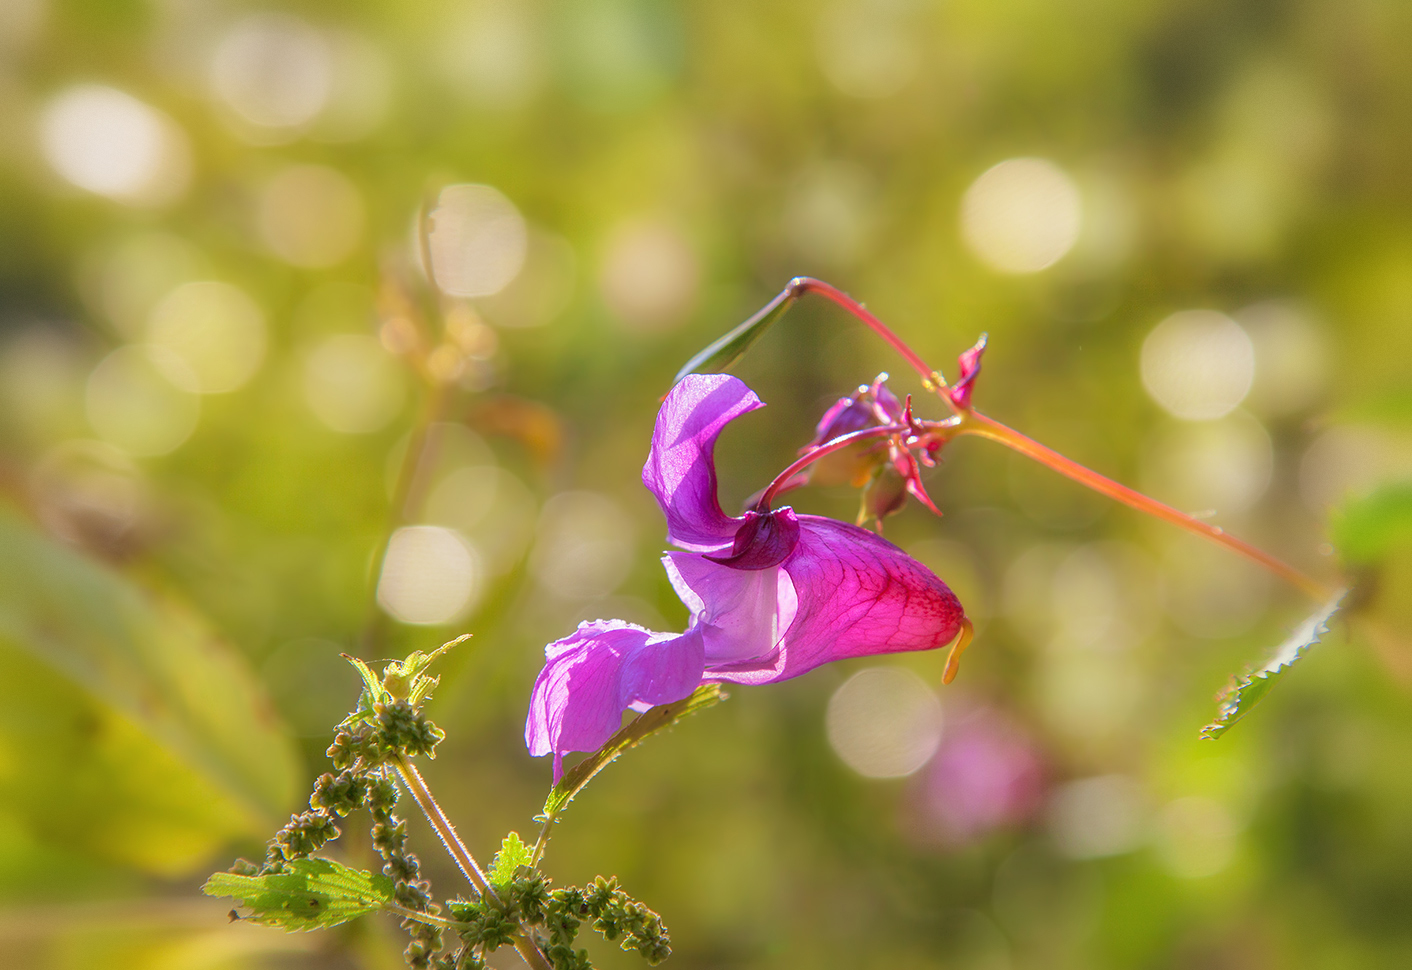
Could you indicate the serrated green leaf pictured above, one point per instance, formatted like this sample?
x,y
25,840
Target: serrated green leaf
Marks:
x,y
310,894
1248,689
724,352
513,854
1366,528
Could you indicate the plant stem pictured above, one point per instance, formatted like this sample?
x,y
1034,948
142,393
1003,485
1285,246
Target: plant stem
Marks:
x,y
931,379
975,423
814,454
446,832
967,421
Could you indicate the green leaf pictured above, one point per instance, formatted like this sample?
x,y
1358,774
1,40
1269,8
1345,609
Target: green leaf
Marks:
x,y
638,730
721,354
1247,690
513,854
1365,529
134,735
310,894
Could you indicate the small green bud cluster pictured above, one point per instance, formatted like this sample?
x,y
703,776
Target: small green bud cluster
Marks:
x,y
558,914
361,751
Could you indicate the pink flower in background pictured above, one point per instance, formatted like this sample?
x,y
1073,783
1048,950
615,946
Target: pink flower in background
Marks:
x,y
986,775
772,593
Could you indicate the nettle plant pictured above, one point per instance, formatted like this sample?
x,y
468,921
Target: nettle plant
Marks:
x,y
771,594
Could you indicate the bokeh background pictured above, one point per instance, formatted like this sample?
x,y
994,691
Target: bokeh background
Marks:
x,y
240,435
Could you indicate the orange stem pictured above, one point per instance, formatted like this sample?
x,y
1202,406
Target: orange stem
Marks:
x,y
978,424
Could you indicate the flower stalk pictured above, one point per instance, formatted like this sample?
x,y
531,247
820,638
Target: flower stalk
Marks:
x,y
967,420
446,832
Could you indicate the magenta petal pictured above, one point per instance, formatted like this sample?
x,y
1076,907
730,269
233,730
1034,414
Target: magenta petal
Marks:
x,y
766,539
599,671
858,594
741,613
681,470
970,366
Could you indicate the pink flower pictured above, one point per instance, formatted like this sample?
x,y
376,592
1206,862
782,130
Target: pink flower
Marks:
x,y
772,593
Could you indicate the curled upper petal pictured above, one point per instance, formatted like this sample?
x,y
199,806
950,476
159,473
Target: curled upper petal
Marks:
x,y
681,468
857,594
604,667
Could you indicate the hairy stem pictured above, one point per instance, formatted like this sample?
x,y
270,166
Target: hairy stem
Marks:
x,y
446,832
978,424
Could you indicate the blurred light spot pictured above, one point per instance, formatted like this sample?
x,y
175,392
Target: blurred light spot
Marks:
x,y
1103,596
1090,697
213,328
478,240
985,775
543,288
1223,466
1029,585
884,722
137,400
41,373
352,385
360,92
1291,356
490,506
1195,837
112,144
1022,215
867,48
1212,593
273,70
1349,460
492,54
828,213
125,283
430,575
1097,817
1198,364
584,546
650,275
310,683
88,493
310,215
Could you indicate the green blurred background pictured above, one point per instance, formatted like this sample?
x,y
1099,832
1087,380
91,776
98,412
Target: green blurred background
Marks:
x,y
1187,227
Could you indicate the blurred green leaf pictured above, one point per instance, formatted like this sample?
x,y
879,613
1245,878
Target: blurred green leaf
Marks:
x,y
1365,529
513,854
310,894
1248,689
724,352
132,732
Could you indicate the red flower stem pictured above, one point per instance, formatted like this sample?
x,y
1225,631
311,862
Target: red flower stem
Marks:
x,y
978,424
814,454
931,379
973,422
